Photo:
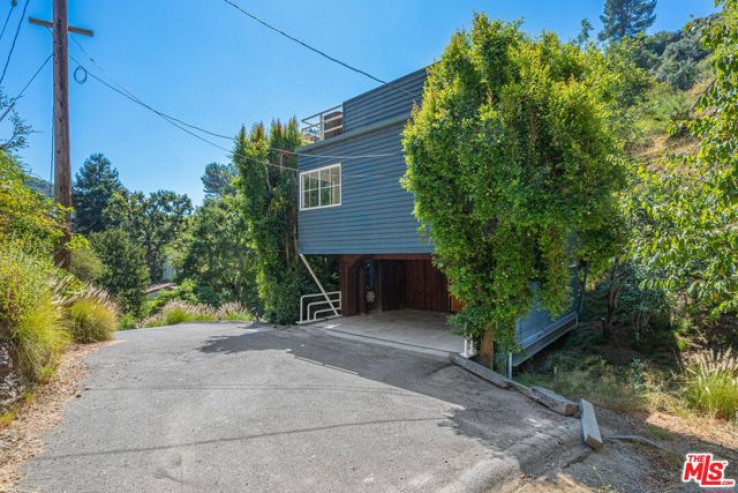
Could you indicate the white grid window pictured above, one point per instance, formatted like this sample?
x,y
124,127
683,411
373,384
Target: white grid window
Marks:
x,y
320,187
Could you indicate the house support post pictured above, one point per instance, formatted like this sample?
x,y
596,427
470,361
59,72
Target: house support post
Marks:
x,y
315,278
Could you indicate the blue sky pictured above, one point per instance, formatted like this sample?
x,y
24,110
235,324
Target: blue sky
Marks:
x,y
204,62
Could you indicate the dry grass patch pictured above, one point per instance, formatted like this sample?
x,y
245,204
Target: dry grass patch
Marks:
x,y
21,437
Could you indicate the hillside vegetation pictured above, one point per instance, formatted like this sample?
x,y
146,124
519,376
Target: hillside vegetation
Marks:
x,y
659,330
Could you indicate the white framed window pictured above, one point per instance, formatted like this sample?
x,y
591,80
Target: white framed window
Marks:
x,y
320,187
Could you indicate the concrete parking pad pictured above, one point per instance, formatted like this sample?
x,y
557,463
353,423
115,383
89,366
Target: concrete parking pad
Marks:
x,y
222,407
418,330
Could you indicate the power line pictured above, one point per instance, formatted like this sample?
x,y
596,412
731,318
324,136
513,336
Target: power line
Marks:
x,y
130,95
33,77
203,139
172,121
11,103
5,24
304,44
313,49
15,38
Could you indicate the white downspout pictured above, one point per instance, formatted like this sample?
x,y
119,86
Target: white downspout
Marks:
x,y
315,278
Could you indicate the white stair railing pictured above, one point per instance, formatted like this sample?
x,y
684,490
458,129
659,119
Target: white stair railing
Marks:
x,y
314,307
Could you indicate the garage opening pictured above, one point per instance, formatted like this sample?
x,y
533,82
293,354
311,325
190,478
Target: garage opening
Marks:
x,y
399,300
383,283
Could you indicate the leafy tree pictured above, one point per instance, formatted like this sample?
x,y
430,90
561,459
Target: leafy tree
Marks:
x,y
218,179
584,34
25,216
153,222
679,65
681,75
270,211
671,56
94,186
513,164
626,18
215,254
631,85
689,238
124,274
19,130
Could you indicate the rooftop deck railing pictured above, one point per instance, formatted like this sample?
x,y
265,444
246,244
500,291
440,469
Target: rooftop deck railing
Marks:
x,y
323,125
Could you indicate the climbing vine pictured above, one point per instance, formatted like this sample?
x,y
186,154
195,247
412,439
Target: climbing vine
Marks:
x,y
514,168
267,182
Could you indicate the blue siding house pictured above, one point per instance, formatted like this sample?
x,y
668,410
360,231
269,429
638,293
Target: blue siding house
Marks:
x,y
372,213
352,205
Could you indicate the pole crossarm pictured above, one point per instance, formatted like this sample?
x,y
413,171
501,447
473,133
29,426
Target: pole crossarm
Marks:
x,y
71,29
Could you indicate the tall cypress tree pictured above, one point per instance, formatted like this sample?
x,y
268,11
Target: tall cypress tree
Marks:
x,y
626,18
94,186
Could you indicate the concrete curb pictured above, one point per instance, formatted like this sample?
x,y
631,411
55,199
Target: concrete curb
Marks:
x,y
530,457
545,397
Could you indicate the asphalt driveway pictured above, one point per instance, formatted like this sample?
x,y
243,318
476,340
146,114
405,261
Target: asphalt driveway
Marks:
x,y
234,407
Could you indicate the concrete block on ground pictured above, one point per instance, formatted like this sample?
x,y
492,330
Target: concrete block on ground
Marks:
x,y
590,429
554,401
480,371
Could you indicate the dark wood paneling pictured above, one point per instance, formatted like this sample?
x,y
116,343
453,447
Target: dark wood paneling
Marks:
x,y
393,286
400,283
425,287
348,283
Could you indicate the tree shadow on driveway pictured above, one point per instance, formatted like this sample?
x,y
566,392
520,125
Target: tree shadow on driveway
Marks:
x,y
219,407
496,417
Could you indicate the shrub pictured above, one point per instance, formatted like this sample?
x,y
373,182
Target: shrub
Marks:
x,y
30,314
85,264
92,318
127,322
26,216
234,312
184,292
662,105
711,384
177,312
177,316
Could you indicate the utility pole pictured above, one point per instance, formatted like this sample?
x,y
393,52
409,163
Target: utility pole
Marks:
x,y
62,165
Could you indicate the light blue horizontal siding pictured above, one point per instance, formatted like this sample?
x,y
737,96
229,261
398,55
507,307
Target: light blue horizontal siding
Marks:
x,y
376,213
387,101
